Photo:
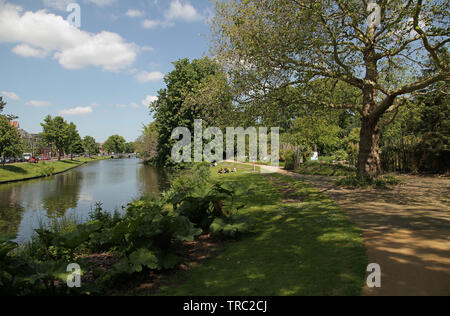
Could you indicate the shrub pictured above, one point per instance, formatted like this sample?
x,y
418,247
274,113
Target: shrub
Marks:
x,y
355,182
201,209
46,170
290,160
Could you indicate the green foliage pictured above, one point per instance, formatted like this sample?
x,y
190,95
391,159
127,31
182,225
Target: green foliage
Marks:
x,y
340,155
178,105
204,207
56,132
289,157
418,139
130,148
325,169
10,143
21,275
90,146
146,144
233,226
115,144
46,170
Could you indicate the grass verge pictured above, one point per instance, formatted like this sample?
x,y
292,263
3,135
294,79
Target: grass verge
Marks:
x,y
303,244
26,171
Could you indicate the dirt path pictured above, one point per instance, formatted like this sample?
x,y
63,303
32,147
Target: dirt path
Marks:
x,y
406,231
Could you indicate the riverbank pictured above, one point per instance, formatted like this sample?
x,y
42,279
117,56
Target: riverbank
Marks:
x,y
27,171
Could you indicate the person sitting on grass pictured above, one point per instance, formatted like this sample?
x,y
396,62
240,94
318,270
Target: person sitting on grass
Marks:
x,y
234,170
221,171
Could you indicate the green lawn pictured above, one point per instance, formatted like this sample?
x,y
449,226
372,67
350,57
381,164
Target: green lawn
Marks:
x,y
28,170
317,168
304,246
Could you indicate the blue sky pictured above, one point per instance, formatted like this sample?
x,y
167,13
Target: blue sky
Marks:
x,y
102,75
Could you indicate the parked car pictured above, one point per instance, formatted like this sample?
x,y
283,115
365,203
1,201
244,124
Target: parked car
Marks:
x,y
27,156
33,160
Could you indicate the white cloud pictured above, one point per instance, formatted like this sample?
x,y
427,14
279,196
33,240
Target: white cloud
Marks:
x,y
77,111
177,11
38,104
134,13
180,11
149,24
39,33
10,95
145,76
149,99
25,50
134,105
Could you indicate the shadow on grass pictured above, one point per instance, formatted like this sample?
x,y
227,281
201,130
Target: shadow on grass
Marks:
x,y
307,248
14,169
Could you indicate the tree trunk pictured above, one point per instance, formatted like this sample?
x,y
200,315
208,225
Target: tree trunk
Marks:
x,y
369,162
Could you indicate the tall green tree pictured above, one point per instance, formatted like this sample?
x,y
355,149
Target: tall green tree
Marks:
x,y
10,142
146,144
269,44
115,144
130,148
74,143
56,133
188,95
90,146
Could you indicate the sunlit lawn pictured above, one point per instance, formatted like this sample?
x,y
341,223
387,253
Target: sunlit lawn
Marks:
x,y
305,247
28,170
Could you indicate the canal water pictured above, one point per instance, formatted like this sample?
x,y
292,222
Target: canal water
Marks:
x,y
74,194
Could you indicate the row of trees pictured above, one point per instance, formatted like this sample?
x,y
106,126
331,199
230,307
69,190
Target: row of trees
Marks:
x,y
118,145
64,136
57,134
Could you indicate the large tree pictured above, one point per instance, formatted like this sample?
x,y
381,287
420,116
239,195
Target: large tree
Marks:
x,y
90,146
10,142
56,133
74,143
115,144
146,144
270,44
195,90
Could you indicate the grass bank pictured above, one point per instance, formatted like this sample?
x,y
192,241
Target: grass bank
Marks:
x,y
303,244
26,171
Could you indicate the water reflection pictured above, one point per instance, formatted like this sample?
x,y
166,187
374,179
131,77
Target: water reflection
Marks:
x,y
114,183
